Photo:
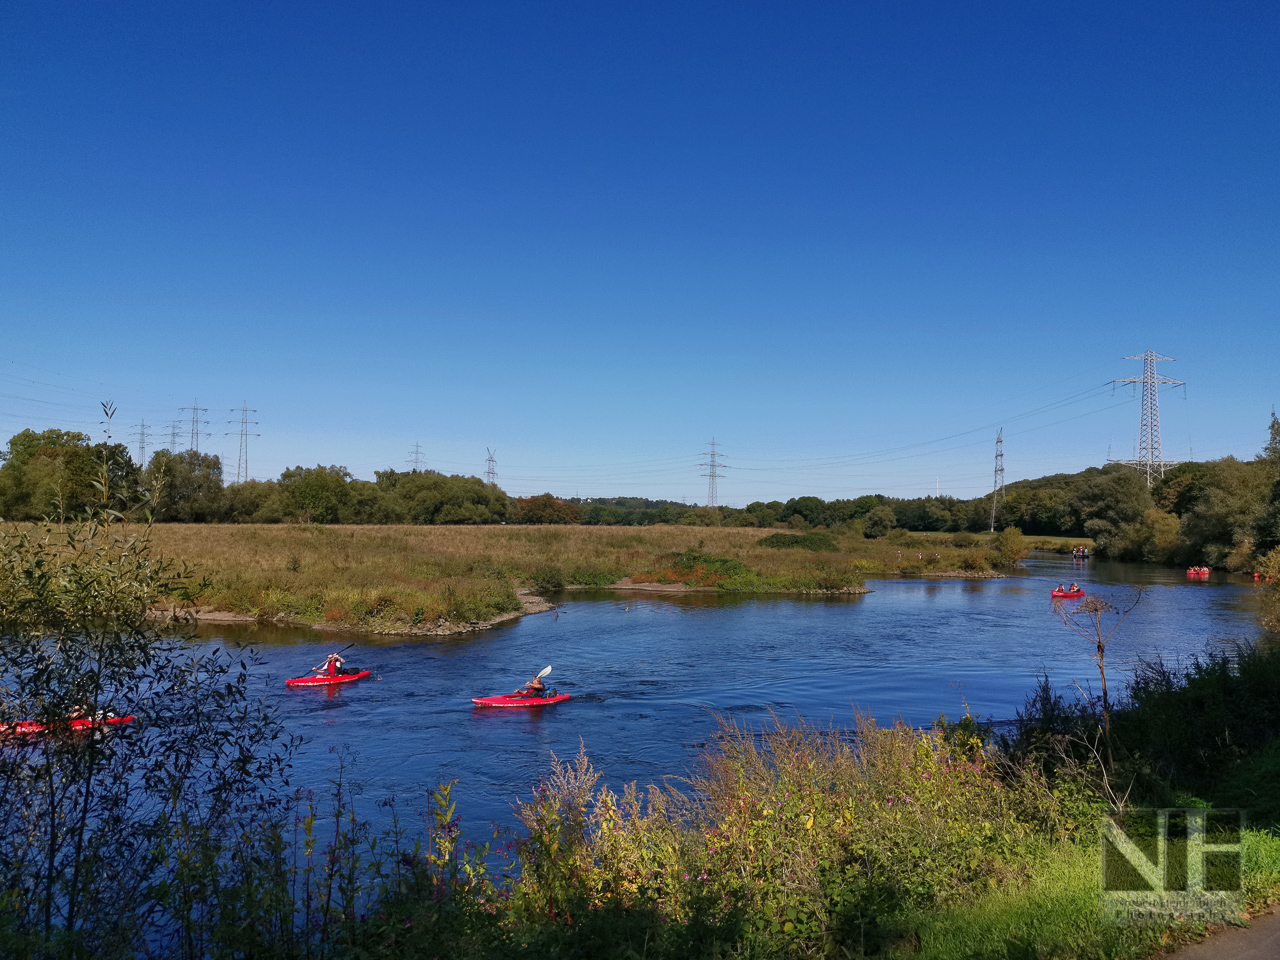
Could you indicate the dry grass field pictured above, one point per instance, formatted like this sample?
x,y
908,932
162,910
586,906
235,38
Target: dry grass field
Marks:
x,y
381,576
398,577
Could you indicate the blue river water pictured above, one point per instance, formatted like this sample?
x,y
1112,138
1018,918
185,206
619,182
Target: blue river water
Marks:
x,y
649,673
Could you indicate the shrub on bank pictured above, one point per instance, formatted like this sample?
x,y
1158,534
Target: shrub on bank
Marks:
x,y
804,541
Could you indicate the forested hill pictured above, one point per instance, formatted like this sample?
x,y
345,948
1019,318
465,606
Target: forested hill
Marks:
x,y
1222,513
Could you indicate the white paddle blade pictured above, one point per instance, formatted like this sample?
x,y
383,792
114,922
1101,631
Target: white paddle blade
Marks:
x,y
544,673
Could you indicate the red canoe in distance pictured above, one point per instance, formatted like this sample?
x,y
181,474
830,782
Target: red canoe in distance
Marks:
x,y
327,681
29,727
1066,594
516,700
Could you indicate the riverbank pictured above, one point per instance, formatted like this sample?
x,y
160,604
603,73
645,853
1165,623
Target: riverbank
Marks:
x,y
440,580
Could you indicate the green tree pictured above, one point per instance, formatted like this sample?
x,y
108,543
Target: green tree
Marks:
x,y
1225,517
254,501
424,496
880,521
1009,547
1108,501
190,484
545,508
317,494
812,509
766,514
1267,529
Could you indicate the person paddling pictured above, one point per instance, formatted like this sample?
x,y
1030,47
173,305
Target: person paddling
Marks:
x,y
332,664
535,687
1074,589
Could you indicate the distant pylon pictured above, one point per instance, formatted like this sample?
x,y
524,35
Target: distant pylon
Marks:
x,y
242,462
415,458
1150,460
196,423
174,427
142,435
713,474
490,468
997,489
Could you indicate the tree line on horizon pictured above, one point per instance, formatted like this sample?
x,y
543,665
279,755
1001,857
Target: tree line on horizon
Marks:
x,y
1222,513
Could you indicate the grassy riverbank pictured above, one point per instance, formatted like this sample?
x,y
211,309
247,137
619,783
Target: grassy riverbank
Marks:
x,y
791,841
800,841
380,577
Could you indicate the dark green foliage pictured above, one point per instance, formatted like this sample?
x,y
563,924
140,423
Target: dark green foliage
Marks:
x,y
545,508
805,541
880,521
424,496
1208,728
190,485
52,474
766,514
1008,548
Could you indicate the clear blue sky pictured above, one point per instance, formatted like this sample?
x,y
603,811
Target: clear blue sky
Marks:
x,y
848,240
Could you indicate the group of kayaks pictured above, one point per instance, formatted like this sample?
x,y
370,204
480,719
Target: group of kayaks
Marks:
x,y
534,694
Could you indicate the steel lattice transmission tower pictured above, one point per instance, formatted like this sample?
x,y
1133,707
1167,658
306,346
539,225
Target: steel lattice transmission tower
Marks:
x,y
490,468
142,436
196,423
416,461
713,467
997,488
242,463
1151,459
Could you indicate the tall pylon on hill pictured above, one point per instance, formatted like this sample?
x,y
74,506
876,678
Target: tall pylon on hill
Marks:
x,y
415,458
997,489
490,467
1150,460
713,467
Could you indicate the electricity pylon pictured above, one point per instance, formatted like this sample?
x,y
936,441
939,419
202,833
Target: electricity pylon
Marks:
x,y
1150,460
242,463
141,435
490,468
997,489
196,424
713,474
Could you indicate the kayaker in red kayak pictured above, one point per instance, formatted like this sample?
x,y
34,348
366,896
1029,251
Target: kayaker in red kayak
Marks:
x,y
332,664
534,688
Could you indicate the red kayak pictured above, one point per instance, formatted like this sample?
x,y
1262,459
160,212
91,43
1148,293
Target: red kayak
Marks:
x,y
1066,594
27,727
326,680
518,700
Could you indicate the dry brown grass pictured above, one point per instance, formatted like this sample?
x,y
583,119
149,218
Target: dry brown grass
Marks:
x,y
390,576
